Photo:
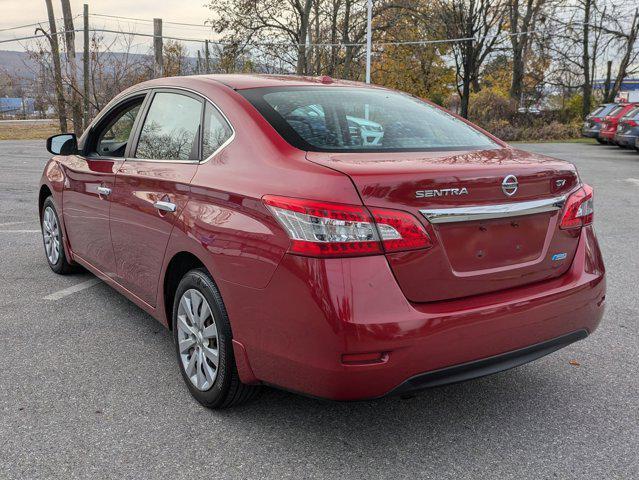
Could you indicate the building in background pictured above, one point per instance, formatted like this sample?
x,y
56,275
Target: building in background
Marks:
x,y
16,107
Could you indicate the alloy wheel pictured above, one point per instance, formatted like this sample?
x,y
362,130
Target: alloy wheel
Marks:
x,y
51,234
197,339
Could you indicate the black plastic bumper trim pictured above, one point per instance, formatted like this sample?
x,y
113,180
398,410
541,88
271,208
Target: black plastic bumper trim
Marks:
x,y
486,366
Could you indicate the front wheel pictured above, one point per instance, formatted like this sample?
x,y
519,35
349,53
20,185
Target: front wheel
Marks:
x,y
52,237
202,336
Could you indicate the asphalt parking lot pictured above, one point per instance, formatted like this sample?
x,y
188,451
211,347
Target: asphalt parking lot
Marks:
x,y
89,385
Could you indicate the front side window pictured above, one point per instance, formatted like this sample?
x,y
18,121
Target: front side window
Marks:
x,y
343,119
171,128
113,137
216,131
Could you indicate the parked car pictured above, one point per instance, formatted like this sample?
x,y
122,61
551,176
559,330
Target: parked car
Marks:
x,y
611,121
282,255
361,129
628,129
593,122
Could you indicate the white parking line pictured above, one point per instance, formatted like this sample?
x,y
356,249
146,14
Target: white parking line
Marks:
x,y
19,231
12,223
633,180
73,289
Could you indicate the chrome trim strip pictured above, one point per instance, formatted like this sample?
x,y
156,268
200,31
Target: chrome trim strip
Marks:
x,y
487,212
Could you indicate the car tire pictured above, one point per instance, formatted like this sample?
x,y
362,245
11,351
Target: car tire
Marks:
x,y
202,335
53,240
600,141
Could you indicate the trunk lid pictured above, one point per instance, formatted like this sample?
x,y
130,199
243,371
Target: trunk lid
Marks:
x,y
476,253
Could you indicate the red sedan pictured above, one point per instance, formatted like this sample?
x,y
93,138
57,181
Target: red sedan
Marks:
x,y
611,121
325,237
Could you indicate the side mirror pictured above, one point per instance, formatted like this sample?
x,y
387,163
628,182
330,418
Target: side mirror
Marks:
x,y
63,144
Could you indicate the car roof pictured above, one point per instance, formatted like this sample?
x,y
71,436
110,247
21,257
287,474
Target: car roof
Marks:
x,y
245,81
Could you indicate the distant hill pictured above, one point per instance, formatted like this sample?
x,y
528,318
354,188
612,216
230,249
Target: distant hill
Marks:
x,y
17,64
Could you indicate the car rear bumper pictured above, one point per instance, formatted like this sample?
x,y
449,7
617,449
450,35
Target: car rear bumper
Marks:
x,y
607,135
626,140
487,366
590,132
301,332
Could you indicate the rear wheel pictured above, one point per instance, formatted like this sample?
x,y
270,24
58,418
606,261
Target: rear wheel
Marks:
x,y
202,336
52,237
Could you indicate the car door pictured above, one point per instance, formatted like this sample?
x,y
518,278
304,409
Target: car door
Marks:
x,y
152,187
89,182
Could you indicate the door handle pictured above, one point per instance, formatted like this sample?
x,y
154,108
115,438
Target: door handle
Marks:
x,y
165,206
104,191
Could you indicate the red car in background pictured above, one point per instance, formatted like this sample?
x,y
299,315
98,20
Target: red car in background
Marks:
x,y
254,217
611,121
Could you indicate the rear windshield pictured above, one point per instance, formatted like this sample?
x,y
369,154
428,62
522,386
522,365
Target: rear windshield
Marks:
x,y
615,111
342,119
603,110
632,113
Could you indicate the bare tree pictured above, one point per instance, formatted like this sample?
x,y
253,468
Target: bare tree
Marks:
x,y
72,66
52,37
627,40
523,16
479,23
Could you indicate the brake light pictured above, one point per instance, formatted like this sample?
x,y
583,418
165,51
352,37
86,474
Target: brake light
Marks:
x,y
596,119
400,231
324,229
579,209
631,123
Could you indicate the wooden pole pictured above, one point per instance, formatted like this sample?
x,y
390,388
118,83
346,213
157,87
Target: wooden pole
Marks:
x,y
57,68
85,70
207,62
72,66
158,69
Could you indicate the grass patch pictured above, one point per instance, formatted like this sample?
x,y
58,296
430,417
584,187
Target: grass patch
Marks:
x,y
27,130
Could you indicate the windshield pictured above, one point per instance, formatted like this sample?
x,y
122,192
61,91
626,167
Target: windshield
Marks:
x,y
346,119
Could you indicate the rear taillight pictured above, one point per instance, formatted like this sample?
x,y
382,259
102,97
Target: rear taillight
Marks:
x,y
323,229
631,123
579,209
596,119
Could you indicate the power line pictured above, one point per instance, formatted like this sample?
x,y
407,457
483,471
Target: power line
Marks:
x,y
285,44
146,20
33,24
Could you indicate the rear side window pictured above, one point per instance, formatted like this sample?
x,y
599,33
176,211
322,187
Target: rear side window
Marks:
x,y
216,131
171,128
343,119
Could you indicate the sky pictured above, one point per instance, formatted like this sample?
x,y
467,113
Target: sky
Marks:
x,y
20,12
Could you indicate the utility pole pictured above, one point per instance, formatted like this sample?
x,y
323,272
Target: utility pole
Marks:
x,y
207,62
369,37
85,69
158,67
